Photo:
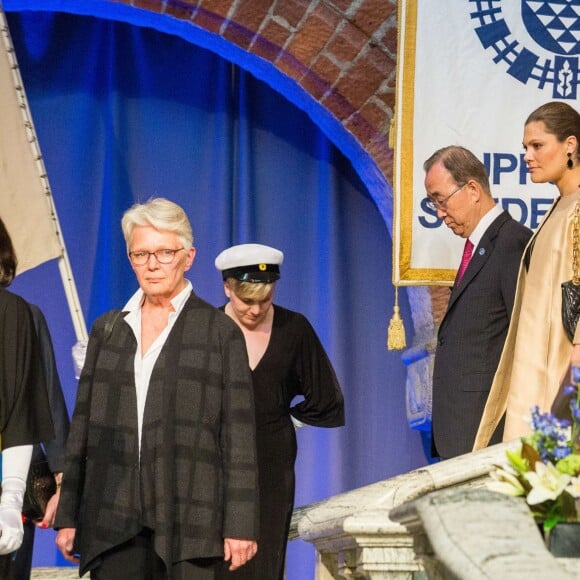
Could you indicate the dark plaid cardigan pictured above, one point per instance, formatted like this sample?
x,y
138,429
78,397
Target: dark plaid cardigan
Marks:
x,y
196,482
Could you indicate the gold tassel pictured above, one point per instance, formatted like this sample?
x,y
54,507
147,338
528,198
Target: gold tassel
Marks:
x,y
396,332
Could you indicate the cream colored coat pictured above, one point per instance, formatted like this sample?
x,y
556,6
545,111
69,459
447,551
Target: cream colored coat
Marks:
x,y
537,351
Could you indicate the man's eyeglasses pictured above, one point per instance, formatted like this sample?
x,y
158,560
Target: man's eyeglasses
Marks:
x,y
436,204
162,256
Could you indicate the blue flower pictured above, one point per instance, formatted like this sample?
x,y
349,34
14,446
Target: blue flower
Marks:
x,y
547,466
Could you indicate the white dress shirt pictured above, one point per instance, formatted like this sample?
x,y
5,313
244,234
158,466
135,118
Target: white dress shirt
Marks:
x,y
144,363
483,224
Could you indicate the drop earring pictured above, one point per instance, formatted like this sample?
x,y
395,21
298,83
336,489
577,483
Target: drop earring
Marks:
x,y
570,163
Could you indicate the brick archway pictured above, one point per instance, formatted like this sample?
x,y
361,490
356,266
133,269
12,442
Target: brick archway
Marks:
x,y
335,59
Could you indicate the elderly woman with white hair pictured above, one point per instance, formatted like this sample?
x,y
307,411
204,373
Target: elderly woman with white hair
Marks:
x,y
160,477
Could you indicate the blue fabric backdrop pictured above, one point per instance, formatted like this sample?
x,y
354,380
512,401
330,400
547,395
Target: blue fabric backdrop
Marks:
x,y
124,113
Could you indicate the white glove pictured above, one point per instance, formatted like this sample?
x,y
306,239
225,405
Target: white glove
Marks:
x,y
15,464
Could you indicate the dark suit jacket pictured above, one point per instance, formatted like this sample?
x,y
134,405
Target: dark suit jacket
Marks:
x,y
472,334
196,482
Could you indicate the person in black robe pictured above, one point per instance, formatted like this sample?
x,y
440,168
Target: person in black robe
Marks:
x,y
51,451
24,416
287,361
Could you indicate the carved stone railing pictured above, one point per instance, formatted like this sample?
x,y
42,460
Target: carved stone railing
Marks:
x,y
356,538
477,534
65,573
437,522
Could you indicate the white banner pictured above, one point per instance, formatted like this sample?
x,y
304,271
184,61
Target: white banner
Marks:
x,y
25,201
469,72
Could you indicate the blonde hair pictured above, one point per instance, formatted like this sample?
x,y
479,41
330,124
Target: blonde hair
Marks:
x,y
163,215
250,290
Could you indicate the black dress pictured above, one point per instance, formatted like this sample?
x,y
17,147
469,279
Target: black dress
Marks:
x,y
24,413
294,364
54,449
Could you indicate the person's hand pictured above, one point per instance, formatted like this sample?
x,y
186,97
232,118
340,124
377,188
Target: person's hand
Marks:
x,y
49,514
239,552
65,541
11,529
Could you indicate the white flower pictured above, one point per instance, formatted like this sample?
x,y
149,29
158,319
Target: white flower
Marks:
x,y
547,483
574,487
505,481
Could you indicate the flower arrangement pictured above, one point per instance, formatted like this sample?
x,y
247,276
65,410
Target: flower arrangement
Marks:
x,y
546,468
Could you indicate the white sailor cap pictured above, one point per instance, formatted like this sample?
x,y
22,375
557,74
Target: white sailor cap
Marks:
x,y
250,263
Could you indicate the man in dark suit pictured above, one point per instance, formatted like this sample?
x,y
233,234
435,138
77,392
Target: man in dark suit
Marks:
x,y
473,330
161,479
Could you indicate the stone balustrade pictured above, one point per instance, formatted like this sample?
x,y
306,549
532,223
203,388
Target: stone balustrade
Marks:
x,y
477,534
356,537
436,522
55,573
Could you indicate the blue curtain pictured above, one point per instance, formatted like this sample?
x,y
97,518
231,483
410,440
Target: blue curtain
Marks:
x,y
125,113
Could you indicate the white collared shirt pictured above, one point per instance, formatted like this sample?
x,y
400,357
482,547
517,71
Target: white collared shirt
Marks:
x,y
144,363
483,224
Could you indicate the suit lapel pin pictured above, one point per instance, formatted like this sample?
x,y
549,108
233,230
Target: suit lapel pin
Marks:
x,y
481,251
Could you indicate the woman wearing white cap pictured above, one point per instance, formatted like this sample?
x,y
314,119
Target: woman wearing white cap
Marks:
x,y
287,360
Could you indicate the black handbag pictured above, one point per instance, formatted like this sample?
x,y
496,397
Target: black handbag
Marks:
x,y
40,487
571,288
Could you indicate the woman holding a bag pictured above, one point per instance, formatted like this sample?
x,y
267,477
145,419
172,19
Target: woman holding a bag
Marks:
x,y
538,350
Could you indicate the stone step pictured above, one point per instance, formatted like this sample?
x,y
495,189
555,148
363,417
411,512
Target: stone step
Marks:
x,y
66,573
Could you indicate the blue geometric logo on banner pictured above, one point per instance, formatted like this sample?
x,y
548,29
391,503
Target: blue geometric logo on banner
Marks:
x,y
550,59
554,25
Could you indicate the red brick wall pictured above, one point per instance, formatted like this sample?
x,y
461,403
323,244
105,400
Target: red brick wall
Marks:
x,y
341,52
